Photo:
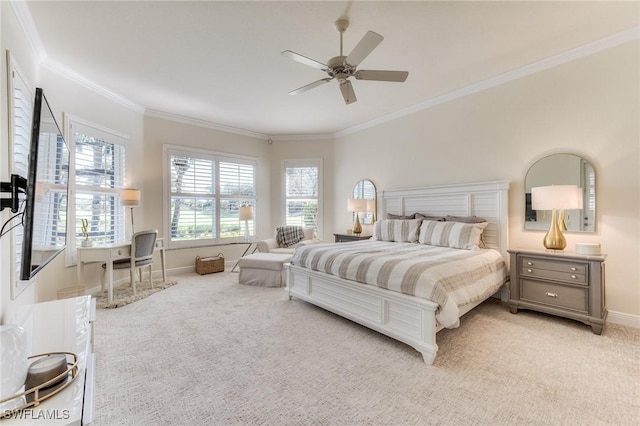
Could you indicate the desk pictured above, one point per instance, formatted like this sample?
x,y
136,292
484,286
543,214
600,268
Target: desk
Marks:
x,y
107,254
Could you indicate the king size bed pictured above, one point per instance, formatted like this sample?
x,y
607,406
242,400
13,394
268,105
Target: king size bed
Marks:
x,y
418,274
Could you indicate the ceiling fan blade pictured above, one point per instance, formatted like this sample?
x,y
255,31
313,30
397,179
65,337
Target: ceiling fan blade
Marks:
x,y
347,92
376,75
310,86
363,48
304,60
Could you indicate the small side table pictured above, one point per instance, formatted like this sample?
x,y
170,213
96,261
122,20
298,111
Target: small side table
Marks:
x,y
249,244
343,238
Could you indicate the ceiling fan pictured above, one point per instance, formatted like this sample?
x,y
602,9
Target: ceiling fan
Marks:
x,y
342,67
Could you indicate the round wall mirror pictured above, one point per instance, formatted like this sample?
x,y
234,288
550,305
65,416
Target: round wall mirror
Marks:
x,y
562,169
366,190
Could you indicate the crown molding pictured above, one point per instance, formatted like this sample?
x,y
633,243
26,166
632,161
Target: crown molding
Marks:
x,y
70,74
21,9
303,137
203,123
600,45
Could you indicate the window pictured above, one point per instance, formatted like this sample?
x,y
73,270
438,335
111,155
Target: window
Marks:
x,y
99,169
303,193
21,107
206,191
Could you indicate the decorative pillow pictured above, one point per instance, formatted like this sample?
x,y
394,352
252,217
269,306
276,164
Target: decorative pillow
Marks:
x,y
427,217
465,219
289,235
451,234
398,230
399,216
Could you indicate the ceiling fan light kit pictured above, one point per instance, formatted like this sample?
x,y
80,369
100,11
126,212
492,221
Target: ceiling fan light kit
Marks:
x,y
342,67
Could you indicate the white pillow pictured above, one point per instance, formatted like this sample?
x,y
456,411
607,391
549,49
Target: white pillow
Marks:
x,y
398,230
451,234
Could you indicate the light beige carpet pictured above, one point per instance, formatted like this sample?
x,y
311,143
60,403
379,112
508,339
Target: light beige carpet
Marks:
x,y
123,295
209,351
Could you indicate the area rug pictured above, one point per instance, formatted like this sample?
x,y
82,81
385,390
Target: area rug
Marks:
x,y
123,295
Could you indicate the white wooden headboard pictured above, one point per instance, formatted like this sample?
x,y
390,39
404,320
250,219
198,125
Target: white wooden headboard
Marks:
x,y
489,200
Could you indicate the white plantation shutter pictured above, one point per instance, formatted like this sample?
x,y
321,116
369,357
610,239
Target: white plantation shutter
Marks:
x,y
193,201
206,191
21,116
303,193
49,227
99,170
237,188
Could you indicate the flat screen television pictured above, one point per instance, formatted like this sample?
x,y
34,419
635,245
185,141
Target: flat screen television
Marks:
x,y
45,212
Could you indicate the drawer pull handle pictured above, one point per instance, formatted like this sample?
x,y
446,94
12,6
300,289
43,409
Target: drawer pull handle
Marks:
x,y
551,294
529,271
573,276
573,269
529,263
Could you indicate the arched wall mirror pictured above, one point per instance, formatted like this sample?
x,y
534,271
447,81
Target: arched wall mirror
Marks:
x,y
562,169
366,190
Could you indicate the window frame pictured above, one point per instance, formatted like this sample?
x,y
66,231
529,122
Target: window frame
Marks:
x,y
303,162
217,157
120,219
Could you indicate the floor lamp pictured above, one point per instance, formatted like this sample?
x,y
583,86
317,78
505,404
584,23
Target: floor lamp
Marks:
x,y
131,199
246,214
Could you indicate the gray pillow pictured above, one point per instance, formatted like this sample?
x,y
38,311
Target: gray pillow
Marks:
x,y
427,217
465,219
399,216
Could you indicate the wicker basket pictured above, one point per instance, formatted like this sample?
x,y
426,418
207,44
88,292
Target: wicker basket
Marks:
x,y
209,265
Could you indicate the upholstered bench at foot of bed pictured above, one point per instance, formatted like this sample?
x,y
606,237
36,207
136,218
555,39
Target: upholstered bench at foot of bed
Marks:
x,y
263,269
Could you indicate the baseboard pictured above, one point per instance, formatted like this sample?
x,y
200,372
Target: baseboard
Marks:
x,y
622,318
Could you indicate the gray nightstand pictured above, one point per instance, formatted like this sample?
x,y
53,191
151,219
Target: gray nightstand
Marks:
x,y
342,238
569,285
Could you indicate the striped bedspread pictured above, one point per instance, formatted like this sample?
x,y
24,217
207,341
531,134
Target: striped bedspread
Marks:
x,y
446,276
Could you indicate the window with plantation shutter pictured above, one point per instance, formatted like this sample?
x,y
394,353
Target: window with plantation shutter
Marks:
x,y
99,170
21,104
303,193
205,192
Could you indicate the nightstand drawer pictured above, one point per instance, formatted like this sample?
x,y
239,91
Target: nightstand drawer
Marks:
x,y
575,298
571,272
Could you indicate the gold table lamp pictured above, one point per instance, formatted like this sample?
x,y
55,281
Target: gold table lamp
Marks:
x,y
356,206
556,198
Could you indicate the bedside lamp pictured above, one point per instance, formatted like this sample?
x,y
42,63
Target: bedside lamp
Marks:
x,y
246,214
355,206
131,199
556,198
371,208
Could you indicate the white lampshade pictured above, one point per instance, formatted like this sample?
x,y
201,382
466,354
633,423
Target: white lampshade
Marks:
x,y
246,213
356,205
558,197
130,197
371,205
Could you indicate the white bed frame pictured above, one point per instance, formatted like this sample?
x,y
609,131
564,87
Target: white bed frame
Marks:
x,y
406,318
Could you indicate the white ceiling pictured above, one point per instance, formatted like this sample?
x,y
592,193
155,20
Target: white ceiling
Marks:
x,y
220,61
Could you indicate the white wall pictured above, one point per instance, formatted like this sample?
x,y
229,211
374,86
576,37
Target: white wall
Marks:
x,y
589,107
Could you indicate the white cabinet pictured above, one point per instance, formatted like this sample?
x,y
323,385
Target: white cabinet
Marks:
x,y
62,326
